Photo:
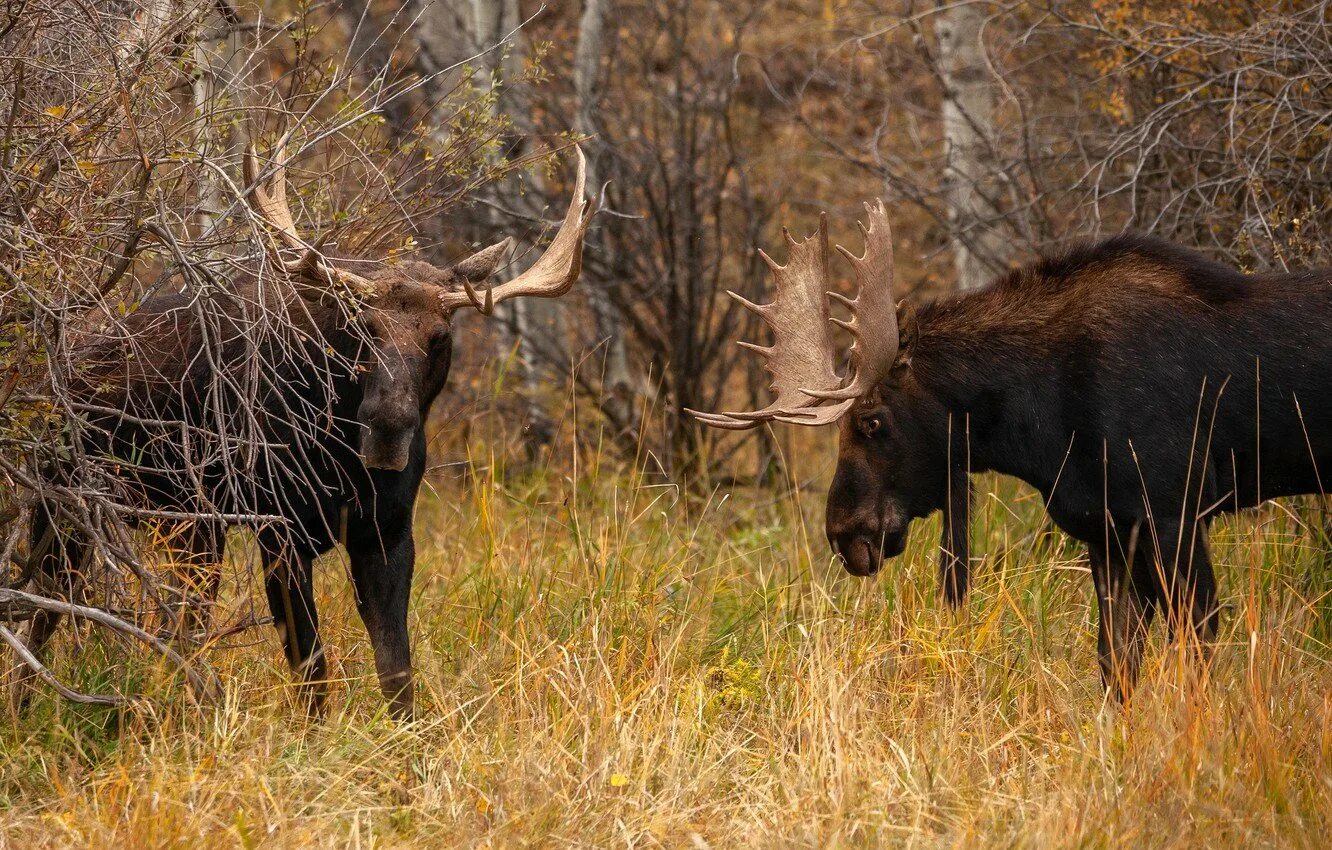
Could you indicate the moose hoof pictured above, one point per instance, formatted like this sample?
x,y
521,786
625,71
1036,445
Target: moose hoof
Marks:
x,y
398,692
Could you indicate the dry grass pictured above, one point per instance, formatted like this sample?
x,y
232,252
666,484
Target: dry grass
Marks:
x,y
603,664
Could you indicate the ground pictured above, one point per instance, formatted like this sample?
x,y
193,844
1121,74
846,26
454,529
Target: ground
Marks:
x,y
603,662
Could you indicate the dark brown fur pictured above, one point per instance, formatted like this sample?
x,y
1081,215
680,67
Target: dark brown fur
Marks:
x,y
339,400
1136,385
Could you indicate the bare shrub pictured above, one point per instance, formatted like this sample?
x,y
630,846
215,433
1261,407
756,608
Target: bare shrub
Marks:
x,y
119,182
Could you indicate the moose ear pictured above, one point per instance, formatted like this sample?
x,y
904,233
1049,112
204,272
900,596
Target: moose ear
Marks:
x,y
481,265
906,333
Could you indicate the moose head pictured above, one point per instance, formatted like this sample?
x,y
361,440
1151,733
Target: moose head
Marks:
x,y
406,309
893,462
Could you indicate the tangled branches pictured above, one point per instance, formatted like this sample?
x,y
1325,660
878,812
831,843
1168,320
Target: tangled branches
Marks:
x,y
121,133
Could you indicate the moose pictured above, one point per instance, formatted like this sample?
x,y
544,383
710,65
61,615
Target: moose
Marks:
x,y
1142,388
342,406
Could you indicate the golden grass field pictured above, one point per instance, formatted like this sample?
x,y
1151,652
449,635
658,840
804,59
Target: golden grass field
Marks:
x,y
603,662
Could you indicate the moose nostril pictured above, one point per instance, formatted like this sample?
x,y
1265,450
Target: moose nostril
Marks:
x,y
841,543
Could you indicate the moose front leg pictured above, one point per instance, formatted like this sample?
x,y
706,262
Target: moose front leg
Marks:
x,y
288,581
56,558
1125,611
955,543
1189,585
382,561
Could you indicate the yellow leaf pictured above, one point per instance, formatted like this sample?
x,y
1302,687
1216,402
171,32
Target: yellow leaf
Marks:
x,y
618,780
86,167
482,805
55,111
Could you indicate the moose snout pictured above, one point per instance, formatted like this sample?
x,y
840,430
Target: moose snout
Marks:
x,y
386,436
864,545
386,451
860,554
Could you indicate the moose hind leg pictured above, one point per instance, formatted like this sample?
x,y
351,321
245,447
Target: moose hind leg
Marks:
x,y
55,561
197,574
381,566
288,581
1126,610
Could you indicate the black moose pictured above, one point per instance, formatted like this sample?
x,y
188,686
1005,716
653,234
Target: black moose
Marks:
x,y
1140,387
343,394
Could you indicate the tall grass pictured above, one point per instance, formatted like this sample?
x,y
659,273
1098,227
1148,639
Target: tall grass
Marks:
x,y
604,663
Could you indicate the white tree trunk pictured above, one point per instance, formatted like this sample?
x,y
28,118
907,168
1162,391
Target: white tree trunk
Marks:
x,y
523,322
617,384
212,75
968,122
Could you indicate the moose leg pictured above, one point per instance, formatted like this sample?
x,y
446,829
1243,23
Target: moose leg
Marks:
x,y
198,574
55,557
955,544
1126,612
289,583
1189,585
381,566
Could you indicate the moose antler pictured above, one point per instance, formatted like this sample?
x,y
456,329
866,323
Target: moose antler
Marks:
x,y
873,322
801,357
554,272
270,204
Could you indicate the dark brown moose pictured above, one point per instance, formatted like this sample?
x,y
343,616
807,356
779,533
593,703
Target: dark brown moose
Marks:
x,y
340,402
1140,387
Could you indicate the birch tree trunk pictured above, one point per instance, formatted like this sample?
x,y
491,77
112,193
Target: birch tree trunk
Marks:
x,y
217,65
968,122
212,74
617,384
521,320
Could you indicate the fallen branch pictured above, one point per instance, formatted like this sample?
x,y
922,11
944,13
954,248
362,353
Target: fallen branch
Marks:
x,y
16,604
24,654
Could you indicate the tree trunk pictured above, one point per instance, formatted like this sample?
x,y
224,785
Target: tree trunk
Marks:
x,y
520,320
617,389
968,122
217,67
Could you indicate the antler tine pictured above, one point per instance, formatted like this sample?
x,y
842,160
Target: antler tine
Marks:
x,y
802,354
717,420
825,415
872,354
555,271
270,204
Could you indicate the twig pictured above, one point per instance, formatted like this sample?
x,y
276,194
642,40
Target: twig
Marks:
x,y
22,651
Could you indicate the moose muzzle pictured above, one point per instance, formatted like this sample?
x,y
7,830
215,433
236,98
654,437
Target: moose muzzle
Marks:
x,y
388,426
391,450
863,550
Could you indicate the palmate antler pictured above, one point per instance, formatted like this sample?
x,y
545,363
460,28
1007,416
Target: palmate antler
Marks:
x,y
552,275
269,202
554,272
808,389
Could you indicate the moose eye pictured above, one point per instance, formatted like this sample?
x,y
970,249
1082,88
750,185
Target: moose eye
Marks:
x,y
870,425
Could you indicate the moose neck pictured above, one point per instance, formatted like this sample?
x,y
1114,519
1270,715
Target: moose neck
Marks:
x,y
995,370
